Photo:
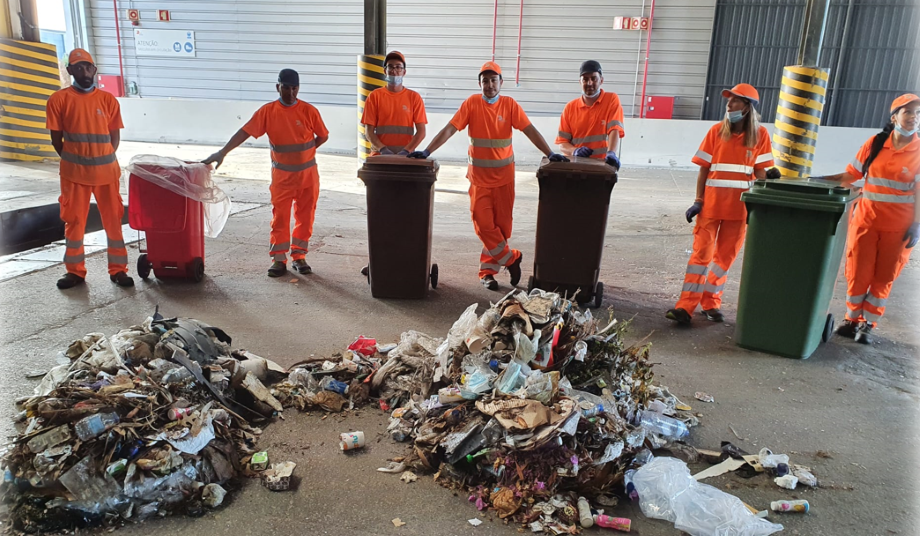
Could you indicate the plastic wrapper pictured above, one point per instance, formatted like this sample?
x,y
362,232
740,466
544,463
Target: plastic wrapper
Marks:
x,y
479,378
667,491
188,179
457,336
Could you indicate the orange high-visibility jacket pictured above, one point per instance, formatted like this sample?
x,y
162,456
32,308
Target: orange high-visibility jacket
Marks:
x,y
588,126
491,156
86,119
393,116
889,193
292,133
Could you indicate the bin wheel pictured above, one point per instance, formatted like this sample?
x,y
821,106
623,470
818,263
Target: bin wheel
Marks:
x,y
366,272
529,284
197,269
434,276
598,294
143,267
828,328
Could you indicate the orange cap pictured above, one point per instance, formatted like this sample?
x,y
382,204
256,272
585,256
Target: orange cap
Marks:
x,y
903,101
77,55
745,91
490,66
395,54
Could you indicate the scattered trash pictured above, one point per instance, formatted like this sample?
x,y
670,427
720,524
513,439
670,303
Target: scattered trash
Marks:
x,y
787,481
213,495
616,523
731,464
769,460
398,522
584,513
805,476
32,374
278,476
703,397
393,467
790,506
408,477
259,461
475,522
351,440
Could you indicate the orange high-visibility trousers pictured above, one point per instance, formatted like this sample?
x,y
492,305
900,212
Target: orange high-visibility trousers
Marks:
x,y
304,208
492,210
716,244
74,203
874,260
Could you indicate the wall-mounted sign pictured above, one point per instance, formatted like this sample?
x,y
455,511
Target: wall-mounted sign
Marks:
x,y
630,23
170,43
134,15
163,15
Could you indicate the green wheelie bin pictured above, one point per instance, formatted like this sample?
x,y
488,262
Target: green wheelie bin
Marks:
x,y
795,241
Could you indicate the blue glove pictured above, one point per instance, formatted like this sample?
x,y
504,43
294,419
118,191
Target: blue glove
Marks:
x,y
386,150
912,235
695,209
583,151
556,157
419,154
612,159
403,153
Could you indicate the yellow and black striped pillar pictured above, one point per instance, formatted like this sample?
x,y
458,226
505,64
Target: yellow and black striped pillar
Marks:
x,y
29,74
371,75
798,116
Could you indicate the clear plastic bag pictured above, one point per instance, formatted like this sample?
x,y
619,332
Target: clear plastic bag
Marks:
x,y
188,179
667,491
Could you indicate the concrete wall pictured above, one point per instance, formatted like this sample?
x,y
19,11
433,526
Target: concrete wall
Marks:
x,y
648,142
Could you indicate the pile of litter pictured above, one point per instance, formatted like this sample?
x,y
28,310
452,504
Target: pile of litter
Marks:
x,y
152,420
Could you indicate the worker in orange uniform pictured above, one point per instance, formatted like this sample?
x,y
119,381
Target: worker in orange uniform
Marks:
x,y
490,118
592,125
295,130
394,116
734,153
886,222
85,124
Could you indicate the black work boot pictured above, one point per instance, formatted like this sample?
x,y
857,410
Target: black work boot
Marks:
x,y
69,281
515,271
489,282
301,266
680,315
848,329
714,315
122,279
277,269
864,333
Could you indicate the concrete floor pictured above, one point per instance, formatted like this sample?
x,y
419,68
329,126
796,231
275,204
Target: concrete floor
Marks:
x,y
860,404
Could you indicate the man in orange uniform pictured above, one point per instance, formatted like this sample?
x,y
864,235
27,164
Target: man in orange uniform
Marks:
x,y
295,130
733,154
84,124
491,169
394,117
592,125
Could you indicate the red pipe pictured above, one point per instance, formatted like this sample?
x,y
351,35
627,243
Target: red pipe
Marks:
x,y
648,45
494,28
121,66
517,76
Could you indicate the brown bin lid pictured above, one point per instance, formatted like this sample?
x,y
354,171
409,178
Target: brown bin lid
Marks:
x,y
577,165
395,167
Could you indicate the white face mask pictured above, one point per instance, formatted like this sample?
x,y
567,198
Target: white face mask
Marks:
x,y
735,116
493,100
77,85
903,132
596,93
394,80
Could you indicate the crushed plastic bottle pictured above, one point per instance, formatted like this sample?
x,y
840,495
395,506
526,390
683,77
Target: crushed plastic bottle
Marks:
x,y
94,425
769,460
331,384
664,426
630,487
584,513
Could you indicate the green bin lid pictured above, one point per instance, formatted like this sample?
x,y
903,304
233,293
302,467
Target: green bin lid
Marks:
x,y
820,195
399,168
577,167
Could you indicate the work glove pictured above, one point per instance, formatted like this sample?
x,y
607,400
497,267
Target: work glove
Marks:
x,y
419,154
912,235
583,151
774,173
385,150
556,157
216,158
403,153
695,209
612,159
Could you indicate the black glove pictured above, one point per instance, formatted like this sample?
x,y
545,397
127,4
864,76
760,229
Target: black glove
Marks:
x,y
419,154
774,173
556,157
694,209
216,158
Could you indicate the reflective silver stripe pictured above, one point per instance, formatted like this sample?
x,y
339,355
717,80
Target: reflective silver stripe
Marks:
x,y
487,266
860,183
508,256
115,243
565,135
857,164
279,247
74,259
854,315
599,151
697,269
279,257
484,163
732,168
888,198
693,287
894,185
871,317
294,167
88,160
302,244
718,271
118,259
589,139
614,123
855,300
766,157
878,302
87,138
388,129
295,148
497,249
494,144
722,183
713,289
73,244
703,155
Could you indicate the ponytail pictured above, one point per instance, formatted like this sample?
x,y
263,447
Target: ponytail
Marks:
x,y
877,145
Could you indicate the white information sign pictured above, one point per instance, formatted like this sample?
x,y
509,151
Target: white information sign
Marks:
x,y
169,43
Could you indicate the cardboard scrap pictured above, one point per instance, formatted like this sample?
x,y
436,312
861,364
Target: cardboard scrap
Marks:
x,y
727,466
408,477
516,311
517,414
252,384
329,401
398,522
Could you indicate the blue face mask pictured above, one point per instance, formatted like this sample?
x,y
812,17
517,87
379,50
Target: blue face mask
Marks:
x,y
285,104
901,131
493,100
78,87
394,80
735,116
